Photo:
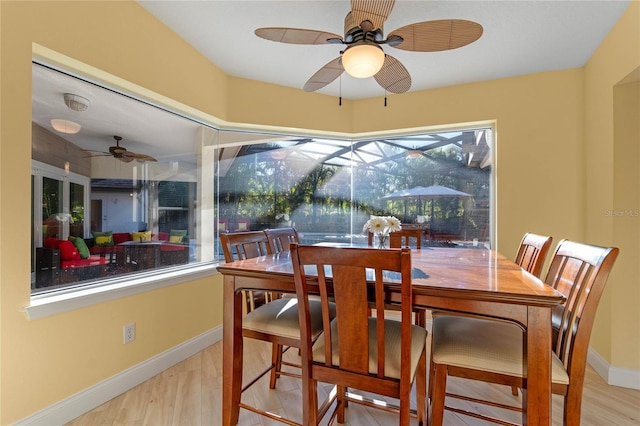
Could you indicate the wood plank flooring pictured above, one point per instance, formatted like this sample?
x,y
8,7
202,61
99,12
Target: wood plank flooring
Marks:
x,y
190,393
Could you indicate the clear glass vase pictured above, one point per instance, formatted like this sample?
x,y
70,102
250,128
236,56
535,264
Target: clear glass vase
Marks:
x,y
383,241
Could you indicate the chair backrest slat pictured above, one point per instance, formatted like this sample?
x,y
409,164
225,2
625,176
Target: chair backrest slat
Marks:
x,y
281,238
532,252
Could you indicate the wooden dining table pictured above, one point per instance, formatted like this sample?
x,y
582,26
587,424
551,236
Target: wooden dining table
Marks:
x,y
467,280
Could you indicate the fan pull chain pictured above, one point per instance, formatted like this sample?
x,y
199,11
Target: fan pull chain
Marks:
x,y
385,97
340,82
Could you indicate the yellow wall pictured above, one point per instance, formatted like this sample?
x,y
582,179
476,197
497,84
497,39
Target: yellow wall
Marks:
x,y
46,360
616,335
545,137
626,224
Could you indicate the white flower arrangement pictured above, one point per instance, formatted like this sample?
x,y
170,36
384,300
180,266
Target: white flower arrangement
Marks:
x,y
282,216
381,226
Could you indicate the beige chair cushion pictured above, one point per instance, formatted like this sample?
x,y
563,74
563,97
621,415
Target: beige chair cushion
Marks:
x,y
280,318
392,347
483,345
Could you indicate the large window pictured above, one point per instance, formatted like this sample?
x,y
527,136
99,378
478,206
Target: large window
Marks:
x,y
126,189
121,188
328,188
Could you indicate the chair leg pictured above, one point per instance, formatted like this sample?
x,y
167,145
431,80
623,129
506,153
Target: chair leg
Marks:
x,y
439,388
276,362
404,410
342,402
312,401
421,390
432,374
573,405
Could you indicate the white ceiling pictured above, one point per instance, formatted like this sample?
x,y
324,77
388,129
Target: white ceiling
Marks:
x,y
520,37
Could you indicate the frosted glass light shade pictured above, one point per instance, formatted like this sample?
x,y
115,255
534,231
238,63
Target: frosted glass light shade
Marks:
x,y
65,126
363,60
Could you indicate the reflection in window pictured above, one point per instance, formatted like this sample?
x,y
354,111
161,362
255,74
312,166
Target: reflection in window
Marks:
x,y
52,209
130,194
76,204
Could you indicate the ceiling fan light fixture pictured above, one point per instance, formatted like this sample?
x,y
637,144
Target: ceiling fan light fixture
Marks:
x,y
65,126
76,102
363,60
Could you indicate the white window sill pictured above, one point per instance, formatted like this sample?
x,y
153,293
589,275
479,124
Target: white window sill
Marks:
x,y
45,305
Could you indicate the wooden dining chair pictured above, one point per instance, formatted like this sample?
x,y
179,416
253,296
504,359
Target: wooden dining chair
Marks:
x,y
246,245
533,252
406,237
401,238
275,321
371,354
491,351
531,255
281,238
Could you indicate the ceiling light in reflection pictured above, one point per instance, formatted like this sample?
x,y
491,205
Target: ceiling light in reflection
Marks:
x,y
65,126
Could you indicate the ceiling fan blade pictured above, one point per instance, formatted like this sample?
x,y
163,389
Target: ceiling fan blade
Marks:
x,y
376,11
125,159
434,36
296,35
91,154
324,75
140,157
393,76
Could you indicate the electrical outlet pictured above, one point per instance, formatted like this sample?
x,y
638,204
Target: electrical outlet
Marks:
x,y
129,332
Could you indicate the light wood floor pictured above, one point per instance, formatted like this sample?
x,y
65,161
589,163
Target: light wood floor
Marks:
x,y
189,393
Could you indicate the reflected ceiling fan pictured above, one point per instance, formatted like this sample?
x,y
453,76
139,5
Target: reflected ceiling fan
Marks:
x,y
364,36
122,154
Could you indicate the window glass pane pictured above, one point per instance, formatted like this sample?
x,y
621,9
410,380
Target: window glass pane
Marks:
x,y
135,189
328,188
76,201
52,208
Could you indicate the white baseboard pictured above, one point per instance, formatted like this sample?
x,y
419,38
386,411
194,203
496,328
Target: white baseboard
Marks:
x,y
90,398
615,376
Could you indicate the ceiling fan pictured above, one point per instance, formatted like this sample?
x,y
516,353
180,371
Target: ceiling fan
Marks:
x,y
364,36
122,154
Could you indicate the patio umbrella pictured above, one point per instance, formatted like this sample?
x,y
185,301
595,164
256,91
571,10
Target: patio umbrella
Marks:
x,y
425,193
